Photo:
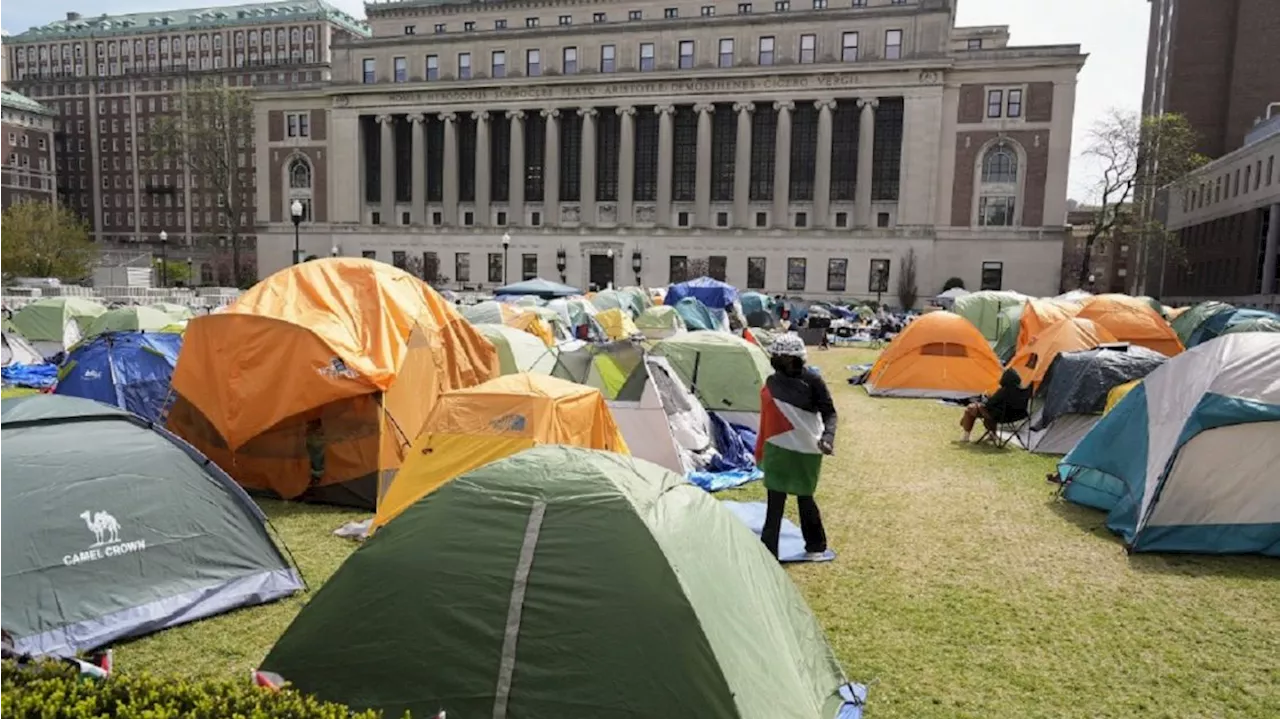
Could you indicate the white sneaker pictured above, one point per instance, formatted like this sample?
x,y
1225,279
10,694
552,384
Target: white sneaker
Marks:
x,y
815,556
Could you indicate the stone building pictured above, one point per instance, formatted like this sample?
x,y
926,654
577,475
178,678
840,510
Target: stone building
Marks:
x,y
782,147
108,78
27,129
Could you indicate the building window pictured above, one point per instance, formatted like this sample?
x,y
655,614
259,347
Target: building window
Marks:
x,y
608,58
708,11
410,29
1013,105
849,47
995,103
842,219
992,275
370,71
440,28
566,20
569,61
299,124
756,273
433,67
495,267
686,54
974,43
599,17
781,5
533,62
678,269
401,66
528,266
464,66
671,13
819,4
647,56
837,274
722,219
531,22
808,49
882,219
682,219
892,44
499,64
726,52
765,56
744,8
635,14
500,24
802,218
999,187
462,267
796,268
469,26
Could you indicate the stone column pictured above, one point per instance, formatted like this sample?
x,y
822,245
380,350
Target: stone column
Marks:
x,y
866,146
626,163
822,172
1272,247
388,174
782,165
742,166
702,177
417,213
483,214
588,173
551,169
666,150
449,171
515,181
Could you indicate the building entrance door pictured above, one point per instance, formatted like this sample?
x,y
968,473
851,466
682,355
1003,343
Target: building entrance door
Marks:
x,y
601,272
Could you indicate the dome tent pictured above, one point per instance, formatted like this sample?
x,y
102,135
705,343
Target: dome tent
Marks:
x,y
18,351
1191,319
518,351
1133,320
114,528
724,371
130,319
984,308
1070,335
644,618
1219,323
130,370
660,321
54,324
940,354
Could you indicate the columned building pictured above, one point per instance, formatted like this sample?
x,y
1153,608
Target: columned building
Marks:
x,y
785,149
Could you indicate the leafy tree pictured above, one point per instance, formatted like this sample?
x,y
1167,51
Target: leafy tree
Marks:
x,y
908,293
952,282
212,125
42,239
1134,157
174,272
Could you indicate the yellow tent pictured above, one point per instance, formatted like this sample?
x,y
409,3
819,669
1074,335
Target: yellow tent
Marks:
x,y
1117,393
472,427
617,324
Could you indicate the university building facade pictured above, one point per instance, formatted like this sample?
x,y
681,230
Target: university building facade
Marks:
x,y
785,148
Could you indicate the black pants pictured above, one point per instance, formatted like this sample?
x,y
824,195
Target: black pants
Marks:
x,y
815,537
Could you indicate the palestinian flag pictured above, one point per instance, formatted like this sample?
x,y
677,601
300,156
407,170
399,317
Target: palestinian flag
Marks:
x,y
787,446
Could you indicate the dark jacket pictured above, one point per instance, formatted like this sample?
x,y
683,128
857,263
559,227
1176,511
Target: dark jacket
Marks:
x,y
807,392
1009,403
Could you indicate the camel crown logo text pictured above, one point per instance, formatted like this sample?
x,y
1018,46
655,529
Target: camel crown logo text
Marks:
x,y
106,540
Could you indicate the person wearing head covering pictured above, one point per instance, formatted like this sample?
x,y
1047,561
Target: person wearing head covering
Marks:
x,y
797,427
1009,403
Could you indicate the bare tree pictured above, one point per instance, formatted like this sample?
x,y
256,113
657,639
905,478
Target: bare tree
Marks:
x,y
908,293
212,126
1134,157
698,267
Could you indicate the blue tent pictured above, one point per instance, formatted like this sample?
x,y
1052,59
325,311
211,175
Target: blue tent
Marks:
x,y
538,287
130,370
1217,324
714,294
1186,461
696,316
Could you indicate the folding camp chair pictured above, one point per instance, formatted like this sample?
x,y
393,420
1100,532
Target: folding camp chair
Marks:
x,y
999,438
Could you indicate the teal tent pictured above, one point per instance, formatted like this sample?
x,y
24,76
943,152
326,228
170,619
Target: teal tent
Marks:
x,y
1190,320
115,528
568,583
695,315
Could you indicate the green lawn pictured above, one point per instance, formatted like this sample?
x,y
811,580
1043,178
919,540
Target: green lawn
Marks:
x,y
964,588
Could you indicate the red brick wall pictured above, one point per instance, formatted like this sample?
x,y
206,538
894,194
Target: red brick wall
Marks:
x,y
275,125
1040,102
319,125
969,144
973,102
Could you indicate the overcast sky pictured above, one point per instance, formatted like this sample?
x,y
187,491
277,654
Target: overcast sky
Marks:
x,y
1112,32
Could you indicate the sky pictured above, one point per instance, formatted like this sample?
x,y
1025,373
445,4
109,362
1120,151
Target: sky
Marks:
x,y
1112,32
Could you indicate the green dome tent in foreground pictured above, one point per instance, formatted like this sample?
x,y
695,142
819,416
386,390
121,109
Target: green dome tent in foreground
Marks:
x,y
564,582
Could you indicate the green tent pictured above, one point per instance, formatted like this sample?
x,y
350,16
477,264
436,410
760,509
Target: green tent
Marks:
x,y
1010,324
130,319
621,299
1186,323
53,324
983,310
176,311
660,321
605,366
518,351
115,528
724,371
564,582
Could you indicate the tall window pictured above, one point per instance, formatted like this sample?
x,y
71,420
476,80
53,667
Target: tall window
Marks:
x,y
570,157
528,266
995,103
685,165
764,124
992,275
765,55
433,67
837,274
646,176
886,153
878,276
464,66
608,58
608,134
499,64
534,156
808,49
804,151
370,67
726,52
647,56
849,47
495,267
756,273
401,69
678,269
796,270
998,188
844,150
569,61
499,157
724,143
892,44
686,54
299,174
1014,104
533,62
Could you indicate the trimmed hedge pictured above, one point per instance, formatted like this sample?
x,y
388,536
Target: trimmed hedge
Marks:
x,y
55,690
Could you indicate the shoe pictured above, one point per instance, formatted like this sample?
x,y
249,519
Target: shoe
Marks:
x,y
815,556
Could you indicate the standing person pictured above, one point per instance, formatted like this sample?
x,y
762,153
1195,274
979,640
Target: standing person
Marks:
x,y
797,427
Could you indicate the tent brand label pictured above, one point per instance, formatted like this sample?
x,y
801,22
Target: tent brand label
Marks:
x,y
337,368
106,536
92,374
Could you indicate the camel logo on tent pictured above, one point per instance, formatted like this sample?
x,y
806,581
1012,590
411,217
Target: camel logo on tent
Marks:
x,y
509,423
337,368
92,374
106,540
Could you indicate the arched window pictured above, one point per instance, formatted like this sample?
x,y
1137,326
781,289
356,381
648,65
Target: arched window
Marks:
x,y
299,174
998,186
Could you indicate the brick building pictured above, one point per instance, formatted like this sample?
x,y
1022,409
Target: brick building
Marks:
x,y
1109,262
107,79
27,129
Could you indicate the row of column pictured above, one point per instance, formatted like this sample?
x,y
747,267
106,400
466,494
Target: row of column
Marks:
x,y
626,164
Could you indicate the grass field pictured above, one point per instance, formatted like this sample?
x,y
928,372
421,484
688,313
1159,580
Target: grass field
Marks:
x,y
963,588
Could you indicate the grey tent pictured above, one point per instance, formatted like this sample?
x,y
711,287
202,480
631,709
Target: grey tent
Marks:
x,y
1074,392
115,528
17,350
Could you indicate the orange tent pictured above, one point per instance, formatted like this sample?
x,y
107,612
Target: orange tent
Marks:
x,y
1069,335
1038,314
315,381
940,354
1132,320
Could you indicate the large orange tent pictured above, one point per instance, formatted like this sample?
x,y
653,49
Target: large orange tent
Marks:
x,y
314,383
1039,314
1132,320
475,426
1069,335
940,354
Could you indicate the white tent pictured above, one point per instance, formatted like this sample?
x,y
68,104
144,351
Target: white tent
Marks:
x,y
661,421
18,351
948,298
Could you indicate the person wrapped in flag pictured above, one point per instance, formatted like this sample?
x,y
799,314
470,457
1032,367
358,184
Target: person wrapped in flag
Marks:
x,y
797,427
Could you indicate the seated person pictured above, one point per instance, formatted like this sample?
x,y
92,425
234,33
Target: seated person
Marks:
x,y
1008,404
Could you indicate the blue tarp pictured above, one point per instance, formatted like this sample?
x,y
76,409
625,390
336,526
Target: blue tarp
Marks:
x,y
714,294
130,370
37,376
736,464
790,540
696,315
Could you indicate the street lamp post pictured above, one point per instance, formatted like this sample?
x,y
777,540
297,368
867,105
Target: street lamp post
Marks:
x,y
1092,278
191,278
164,258
562,264
609,253
333,251
636,264
506,245
295,211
